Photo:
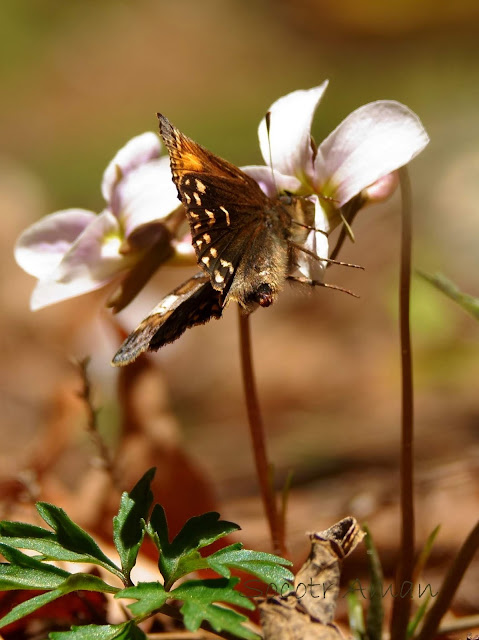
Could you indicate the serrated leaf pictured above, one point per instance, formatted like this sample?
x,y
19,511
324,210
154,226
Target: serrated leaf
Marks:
x,y
124,631
129,524
467,302
25,572
86,582
181,556
265,566
75,582
27,536
73,538
200,598
151,596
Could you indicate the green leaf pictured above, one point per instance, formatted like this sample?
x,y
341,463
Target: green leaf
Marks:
x,y
199,598
73,538
181,556
355,615
375,615
44,542
425,553
151,596
25,572
265,566
129,524
467,302
124,631
75,582
419,615
27,607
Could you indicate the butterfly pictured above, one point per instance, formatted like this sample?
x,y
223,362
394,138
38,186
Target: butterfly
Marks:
x,y
245,244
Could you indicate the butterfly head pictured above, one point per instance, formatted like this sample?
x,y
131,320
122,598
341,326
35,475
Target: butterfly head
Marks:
x,y
263,295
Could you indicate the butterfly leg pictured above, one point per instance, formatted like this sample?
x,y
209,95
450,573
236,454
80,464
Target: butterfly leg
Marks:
x,y
318,283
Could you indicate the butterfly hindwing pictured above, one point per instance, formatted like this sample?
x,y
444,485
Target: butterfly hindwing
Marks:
x,y
192,303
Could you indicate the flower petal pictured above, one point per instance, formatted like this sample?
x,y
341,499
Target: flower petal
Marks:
x,y
147,194
41,247
371,142
92,262
290,132
271,181
136,152
316,242
382,189
49,292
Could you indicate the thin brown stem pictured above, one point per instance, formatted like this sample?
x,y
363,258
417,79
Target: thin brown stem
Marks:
x,y
258,439
449,586
402,605
92,423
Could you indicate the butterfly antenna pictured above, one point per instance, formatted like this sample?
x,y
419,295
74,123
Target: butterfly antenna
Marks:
x,y
268,130
307,226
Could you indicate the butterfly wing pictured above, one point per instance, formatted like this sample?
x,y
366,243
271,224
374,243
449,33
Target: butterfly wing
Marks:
x,y
192,303
229,215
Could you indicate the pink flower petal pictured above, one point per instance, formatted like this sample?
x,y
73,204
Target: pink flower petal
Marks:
x,y
382,189
95,256
146,195
41,247
49,292
316,242
290,132
371,142
271,181
135,153
92,262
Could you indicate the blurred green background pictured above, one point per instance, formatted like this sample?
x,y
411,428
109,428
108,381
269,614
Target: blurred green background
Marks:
x,y
80,78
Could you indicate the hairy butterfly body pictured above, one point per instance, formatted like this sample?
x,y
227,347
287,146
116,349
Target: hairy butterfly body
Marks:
x,y
239,234
242,239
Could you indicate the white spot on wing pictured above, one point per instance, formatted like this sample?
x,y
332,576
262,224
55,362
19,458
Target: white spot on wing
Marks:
x,y
164,306
200,186
227,215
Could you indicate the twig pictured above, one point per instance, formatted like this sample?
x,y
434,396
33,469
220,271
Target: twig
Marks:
x,y
92,424
466,622
449,587
402,605
257,436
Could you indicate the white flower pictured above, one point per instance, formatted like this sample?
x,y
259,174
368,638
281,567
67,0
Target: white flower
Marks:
x,y
359,158
73,252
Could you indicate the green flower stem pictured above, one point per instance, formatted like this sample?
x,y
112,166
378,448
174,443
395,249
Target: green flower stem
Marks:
x,y
448,589
402,606
257,436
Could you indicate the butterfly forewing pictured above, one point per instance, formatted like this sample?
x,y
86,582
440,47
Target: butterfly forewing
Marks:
x,y
192,303
227,211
